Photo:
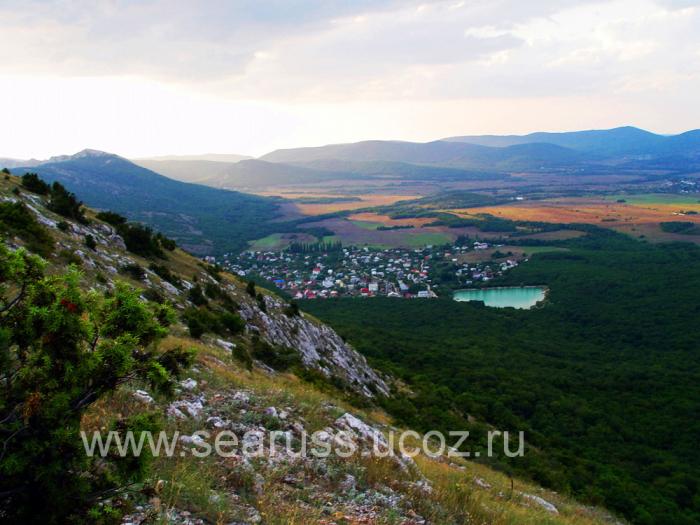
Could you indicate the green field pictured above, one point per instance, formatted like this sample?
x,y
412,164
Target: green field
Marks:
x,y
274,241
655,198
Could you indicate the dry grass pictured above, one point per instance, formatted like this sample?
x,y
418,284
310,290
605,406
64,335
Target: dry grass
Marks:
x,y
586,210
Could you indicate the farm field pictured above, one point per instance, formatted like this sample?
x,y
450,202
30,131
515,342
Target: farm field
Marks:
x,y
353,232
638,217
510,252
351,202
385,220
279,241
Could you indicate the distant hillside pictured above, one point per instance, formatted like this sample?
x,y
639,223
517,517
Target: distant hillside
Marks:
x,y
441,153
258,173
186,170
613,142
210,157
202,219
190,168
15,163
254,174
403,170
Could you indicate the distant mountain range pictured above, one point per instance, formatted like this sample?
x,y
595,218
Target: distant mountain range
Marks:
x,y
536,151
200,218
191,168
624,141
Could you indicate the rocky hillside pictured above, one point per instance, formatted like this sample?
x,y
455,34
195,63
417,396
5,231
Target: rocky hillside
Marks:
x,y
261,366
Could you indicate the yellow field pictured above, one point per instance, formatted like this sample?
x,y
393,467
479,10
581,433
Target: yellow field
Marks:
x,y
588,210
385,220
367,200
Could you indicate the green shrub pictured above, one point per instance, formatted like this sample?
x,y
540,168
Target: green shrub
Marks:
x,y
164,273
250,288
135,271
213,291
292,310
63,226
56,365
16,219
65,203
90,242
196,296
139,239
33,183
261,302
232,322
112,218
279,358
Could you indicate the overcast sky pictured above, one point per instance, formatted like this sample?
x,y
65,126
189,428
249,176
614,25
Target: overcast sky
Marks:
x,y
247,76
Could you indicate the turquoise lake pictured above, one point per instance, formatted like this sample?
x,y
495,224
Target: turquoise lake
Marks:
x,y
522,297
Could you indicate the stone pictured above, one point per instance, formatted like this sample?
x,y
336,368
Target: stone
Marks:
x,y
546,505
143,396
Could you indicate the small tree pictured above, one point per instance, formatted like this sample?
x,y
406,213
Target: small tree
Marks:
x,y
90,242
62,349
250,288
65,203
33,183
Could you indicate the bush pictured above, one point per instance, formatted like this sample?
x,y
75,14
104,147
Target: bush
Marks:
x,y
164,273
63,226
250,288
65,203
279,358
112,218
136,272
139,239
16,219
261,302
90,242
165,242
55,366
196,296
6,171
292,310
213,291
202,320
232,322
33,183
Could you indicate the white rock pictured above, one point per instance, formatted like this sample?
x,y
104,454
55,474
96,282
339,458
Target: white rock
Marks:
x,y
226,344
169,288
192,409
271,412
359,428
189,384
481,483
546,505
143,396
192,440
241,397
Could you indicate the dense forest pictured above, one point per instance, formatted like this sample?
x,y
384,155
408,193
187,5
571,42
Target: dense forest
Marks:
x,y
603,378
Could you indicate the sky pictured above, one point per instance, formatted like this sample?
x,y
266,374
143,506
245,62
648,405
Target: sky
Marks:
x,y
157,77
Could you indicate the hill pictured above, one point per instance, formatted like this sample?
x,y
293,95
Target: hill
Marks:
x,y
440,153
202,219
190,168
623,141
256,364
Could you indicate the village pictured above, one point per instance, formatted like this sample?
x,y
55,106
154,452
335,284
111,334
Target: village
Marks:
x,y
320,272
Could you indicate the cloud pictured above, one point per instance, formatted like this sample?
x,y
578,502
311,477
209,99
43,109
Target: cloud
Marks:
x,y
294,72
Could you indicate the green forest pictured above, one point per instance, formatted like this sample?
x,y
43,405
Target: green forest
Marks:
x,y
603,378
